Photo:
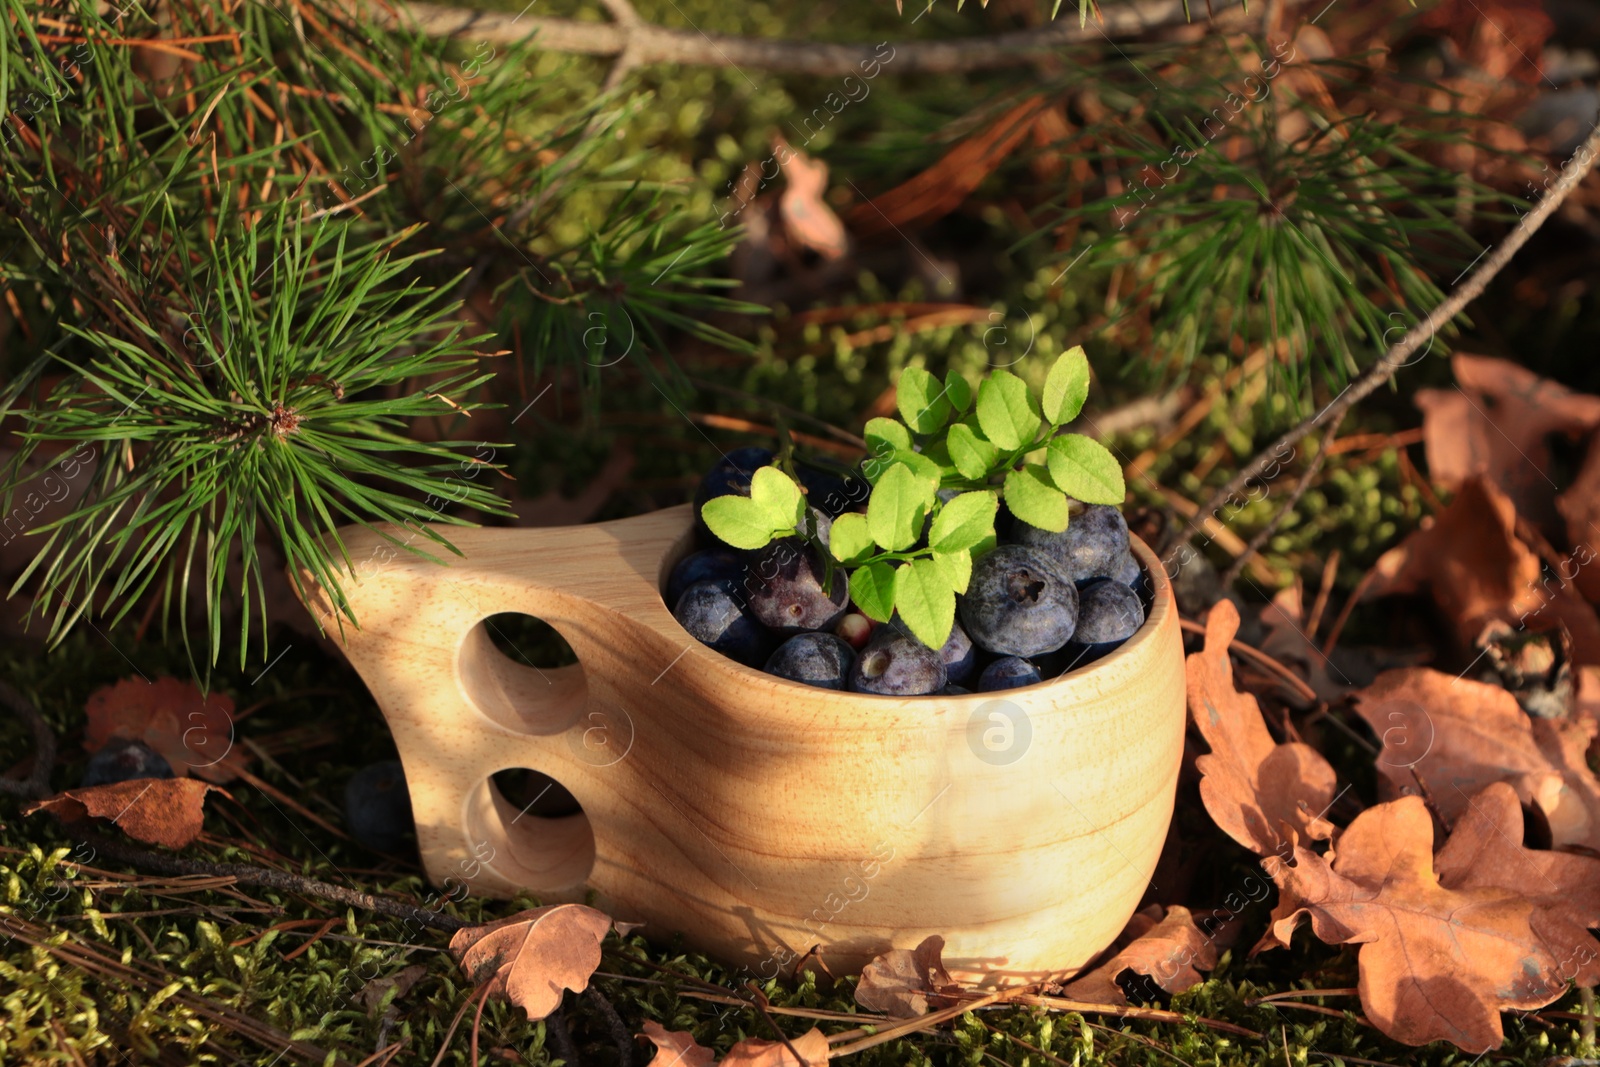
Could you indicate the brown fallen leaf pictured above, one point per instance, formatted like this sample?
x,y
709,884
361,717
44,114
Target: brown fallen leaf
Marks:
x,y
676,1048
907,982
1459,736
754,1052
162,811
1580,508
1436,963
1477,571
1486,850
1251,786
1495,424
531,957
807,219
1168,949
192,731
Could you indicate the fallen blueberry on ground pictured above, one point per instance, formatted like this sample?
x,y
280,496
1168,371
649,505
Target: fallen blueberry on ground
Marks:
x,y
377,806
123,761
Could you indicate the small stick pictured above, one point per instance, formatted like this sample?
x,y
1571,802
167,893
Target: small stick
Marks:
x,y
1260,659
620,1035
248,874
561,1038
1330,571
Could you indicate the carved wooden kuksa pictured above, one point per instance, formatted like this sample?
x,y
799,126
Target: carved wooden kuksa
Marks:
x,y
757,816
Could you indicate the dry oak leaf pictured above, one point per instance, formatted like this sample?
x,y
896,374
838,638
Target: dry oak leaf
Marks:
x,y
1251,786
1436,963
161,811
1459,736
531,957
676,1048
1477,571
1495,424
754,1052
192,731
1485,849
1580,507
1168,949
906,983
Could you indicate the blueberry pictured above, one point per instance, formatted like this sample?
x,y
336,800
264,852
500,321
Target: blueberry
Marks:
x,y
1096,542
954,691
712,615
1108,614
1019,603
731,475
784,584
822,660
898,665
377,806
1008,672
123,761
833,494
960,655
708,565
1127,571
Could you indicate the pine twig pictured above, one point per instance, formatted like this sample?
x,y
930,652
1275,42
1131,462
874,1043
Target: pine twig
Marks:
x,y
1398,355
1235,568
249,874
641,43
37,784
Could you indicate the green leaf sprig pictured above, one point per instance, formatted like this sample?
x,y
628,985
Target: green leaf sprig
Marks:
x,y
939,474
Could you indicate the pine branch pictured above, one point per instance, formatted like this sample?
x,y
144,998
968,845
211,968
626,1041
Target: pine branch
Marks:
x,y
1400,353
644,43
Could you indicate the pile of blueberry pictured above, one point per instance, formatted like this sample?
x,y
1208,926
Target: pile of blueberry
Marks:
x,y
1037,605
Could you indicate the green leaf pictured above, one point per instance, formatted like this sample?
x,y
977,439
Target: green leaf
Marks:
x,y
898,506
925,468
964,521
1084,468
973,456
1033,499
921,400
885,436
872,589
739,521
1066,387
925,600
779,498
957,567
1006,411
958,391
849,538
774,507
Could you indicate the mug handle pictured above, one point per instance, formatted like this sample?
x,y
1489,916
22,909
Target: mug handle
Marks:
x,y
461,710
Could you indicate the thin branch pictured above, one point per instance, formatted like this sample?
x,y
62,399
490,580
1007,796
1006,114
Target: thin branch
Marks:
x,y
1399,355
644,42
248,874
1231,575
37,784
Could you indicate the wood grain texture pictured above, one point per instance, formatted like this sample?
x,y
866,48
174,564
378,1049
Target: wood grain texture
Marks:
x,y
757,816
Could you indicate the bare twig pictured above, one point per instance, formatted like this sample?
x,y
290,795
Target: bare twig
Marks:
x,y
37,784
1398,356
620,1034
644,43
248,874
1231,575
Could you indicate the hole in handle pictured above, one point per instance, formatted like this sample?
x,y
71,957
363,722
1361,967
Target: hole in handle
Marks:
x,y
522,674
545,853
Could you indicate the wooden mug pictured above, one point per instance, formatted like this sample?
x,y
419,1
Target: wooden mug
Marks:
x,y
759,817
